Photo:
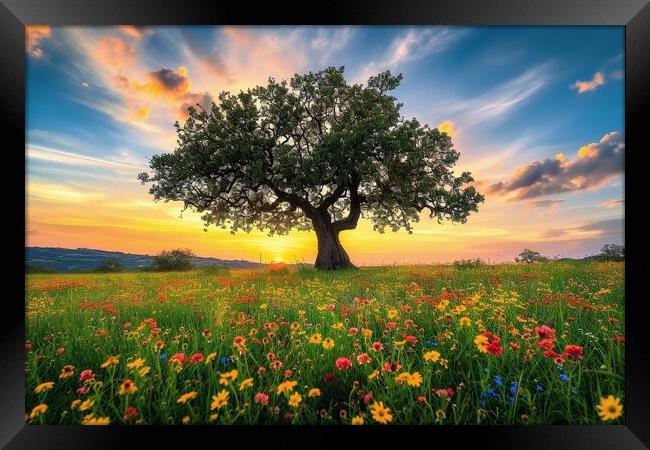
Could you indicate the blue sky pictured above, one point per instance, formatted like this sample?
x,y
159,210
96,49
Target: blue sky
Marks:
x,y
536,112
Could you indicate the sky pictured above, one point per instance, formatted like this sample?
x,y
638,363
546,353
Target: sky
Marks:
x,y
537,114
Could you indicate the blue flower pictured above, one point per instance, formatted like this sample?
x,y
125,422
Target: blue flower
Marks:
x,y
510,400
163,356
514,387
564,378
498,380
490,392
225,360
574,391
431,344
560,368
540,388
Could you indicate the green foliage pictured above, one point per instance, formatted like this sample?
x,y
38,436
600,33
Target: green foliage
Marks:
x,y
468,263
35,267
612,252
214,270
173,260
530,256
110,265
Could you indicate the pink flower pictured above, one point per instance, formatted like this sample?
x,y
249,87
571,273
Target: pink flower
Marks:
x,y
367,398
60,350
411,339
364,358
86,375
331,307
545,332
131,413
261,398
390,325
409,322
83,390
127,326
28,346
422,399
343,363
377,346
353,330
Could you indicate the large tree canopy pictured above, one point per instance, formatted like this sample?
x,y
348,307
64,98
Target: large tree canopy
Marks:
x,y
314,153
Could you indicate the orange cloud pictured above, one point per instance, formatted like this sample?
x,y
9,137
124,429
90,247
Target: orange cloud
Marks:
x,y
592,85
449,127
130,30
141,113
34,35
114,52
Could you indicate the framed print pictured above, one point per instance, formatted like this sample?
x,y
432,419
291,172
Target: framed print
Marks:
x,y
375,222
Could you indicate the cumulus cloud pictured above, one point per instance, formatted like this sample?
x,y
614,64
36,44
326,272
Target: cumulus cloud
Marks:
x,y
595,165
591,85
449,127
35,34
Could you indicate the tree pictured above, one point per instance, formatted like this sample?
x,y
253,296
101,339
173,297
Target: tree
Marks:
x,y
110,265
312,153
530,256
612,251
173,260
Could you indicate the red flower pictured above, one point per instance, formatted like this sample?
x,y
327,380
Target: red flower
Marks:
x,y
513,346
367,398
261,398
86,375
545,332
364,358
331,307
574,352
28,346
353,330
494,348
546,344
549,353
131,413
390,325
329,377
422,399
377,346
619,339
177,358
411,339
343,363
83,390
196,358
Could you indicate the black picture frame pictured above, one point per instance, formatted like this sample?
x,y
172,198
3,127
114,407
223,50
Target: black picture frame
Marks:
x,y
15,14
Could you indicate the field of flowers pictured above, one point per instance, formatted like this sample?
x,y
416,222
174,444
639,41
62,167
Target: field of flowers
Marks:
x,y
507,344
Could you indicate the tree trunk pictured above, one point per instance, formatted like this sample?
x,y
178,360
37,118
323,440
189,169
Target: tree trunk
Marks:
x,y
331,254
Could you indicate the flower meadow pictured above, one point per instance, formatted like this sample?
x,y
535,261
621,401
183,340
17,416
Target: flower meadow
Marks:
x,y
502,344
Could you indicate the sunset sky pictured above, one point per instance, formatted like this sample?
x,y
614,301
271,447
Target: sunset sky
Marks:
x,y
537,114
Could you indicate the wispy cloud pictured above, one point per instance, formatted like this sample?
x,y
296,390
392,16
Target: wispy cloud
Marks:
x,y
77,159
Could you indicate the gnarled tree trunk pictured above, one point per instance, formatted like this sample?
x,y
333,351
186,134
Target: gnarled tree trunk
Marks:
x,y
331,254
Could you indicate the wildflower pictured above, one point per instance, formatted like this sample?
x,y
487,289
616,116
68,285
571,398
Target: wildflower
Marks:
x,y
539,388
513,346
135,364
186,420
247,383
392,313
574,352
111,361
373,375
380,413
44,387
610,408
377,346
238,341
213,417
286,386
295,400
353,331
90,419
226,378
440,415
343,363
432,356
329,377
219,400
399,344
163,356
465,321
127,387
364,358
159,344
337,326
391,325
38,410
314,392
411,339
414,379
75,404
186,397
402,377
66,371
498,380
261,398
130,414
210,357
86,404
144,371
83,390
315,338
564,378
546,344
196,358
328,344
177,358
421,399
367,398
357,420
545,332
482,342
224,360
366,332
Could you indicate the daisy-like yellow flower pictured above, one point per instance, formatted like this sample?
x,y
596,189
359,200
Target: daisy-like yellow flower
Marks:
x,y
213,417
414,379
399,344
144,371
380,413
441,415
314,392
373,375
328,344
86,405
226,378
111,361
459,309
127,387
465,321
357,420
337,326
66,371
295,399
286,386
74,403
481,342
366,332
432,356
610,408
315,338
38,410
392,313
247,383
186,397
90,419
44,387
186,420
219,400
210,357
135,364
402,377
442,305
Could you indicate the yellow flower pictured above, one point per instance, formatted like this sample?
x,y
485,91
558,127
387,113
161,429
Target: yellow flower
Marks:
x,y
186,420
44,387
414,379
74,403
135,364
127,387
295,400
38,410
286,386
248,382
610,408
366,332
186,397
481,342
432,356
337,326
459,309
442,305
67,371
86,405
264,306
315,338
399,344
213,417
392,313
227,377
219,400
314,392
465,321
90,419
111,361
328,344
295,326
441,415
402,377
210,358
144,371
373,375
380,413
357,420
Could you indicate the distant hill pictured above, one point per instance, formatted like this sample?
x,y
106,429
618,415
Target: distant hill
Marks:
x,y
86,259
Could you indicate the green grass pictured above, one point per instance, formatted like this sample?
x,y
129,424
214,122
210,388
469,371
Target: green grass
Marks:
x,y
81,320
